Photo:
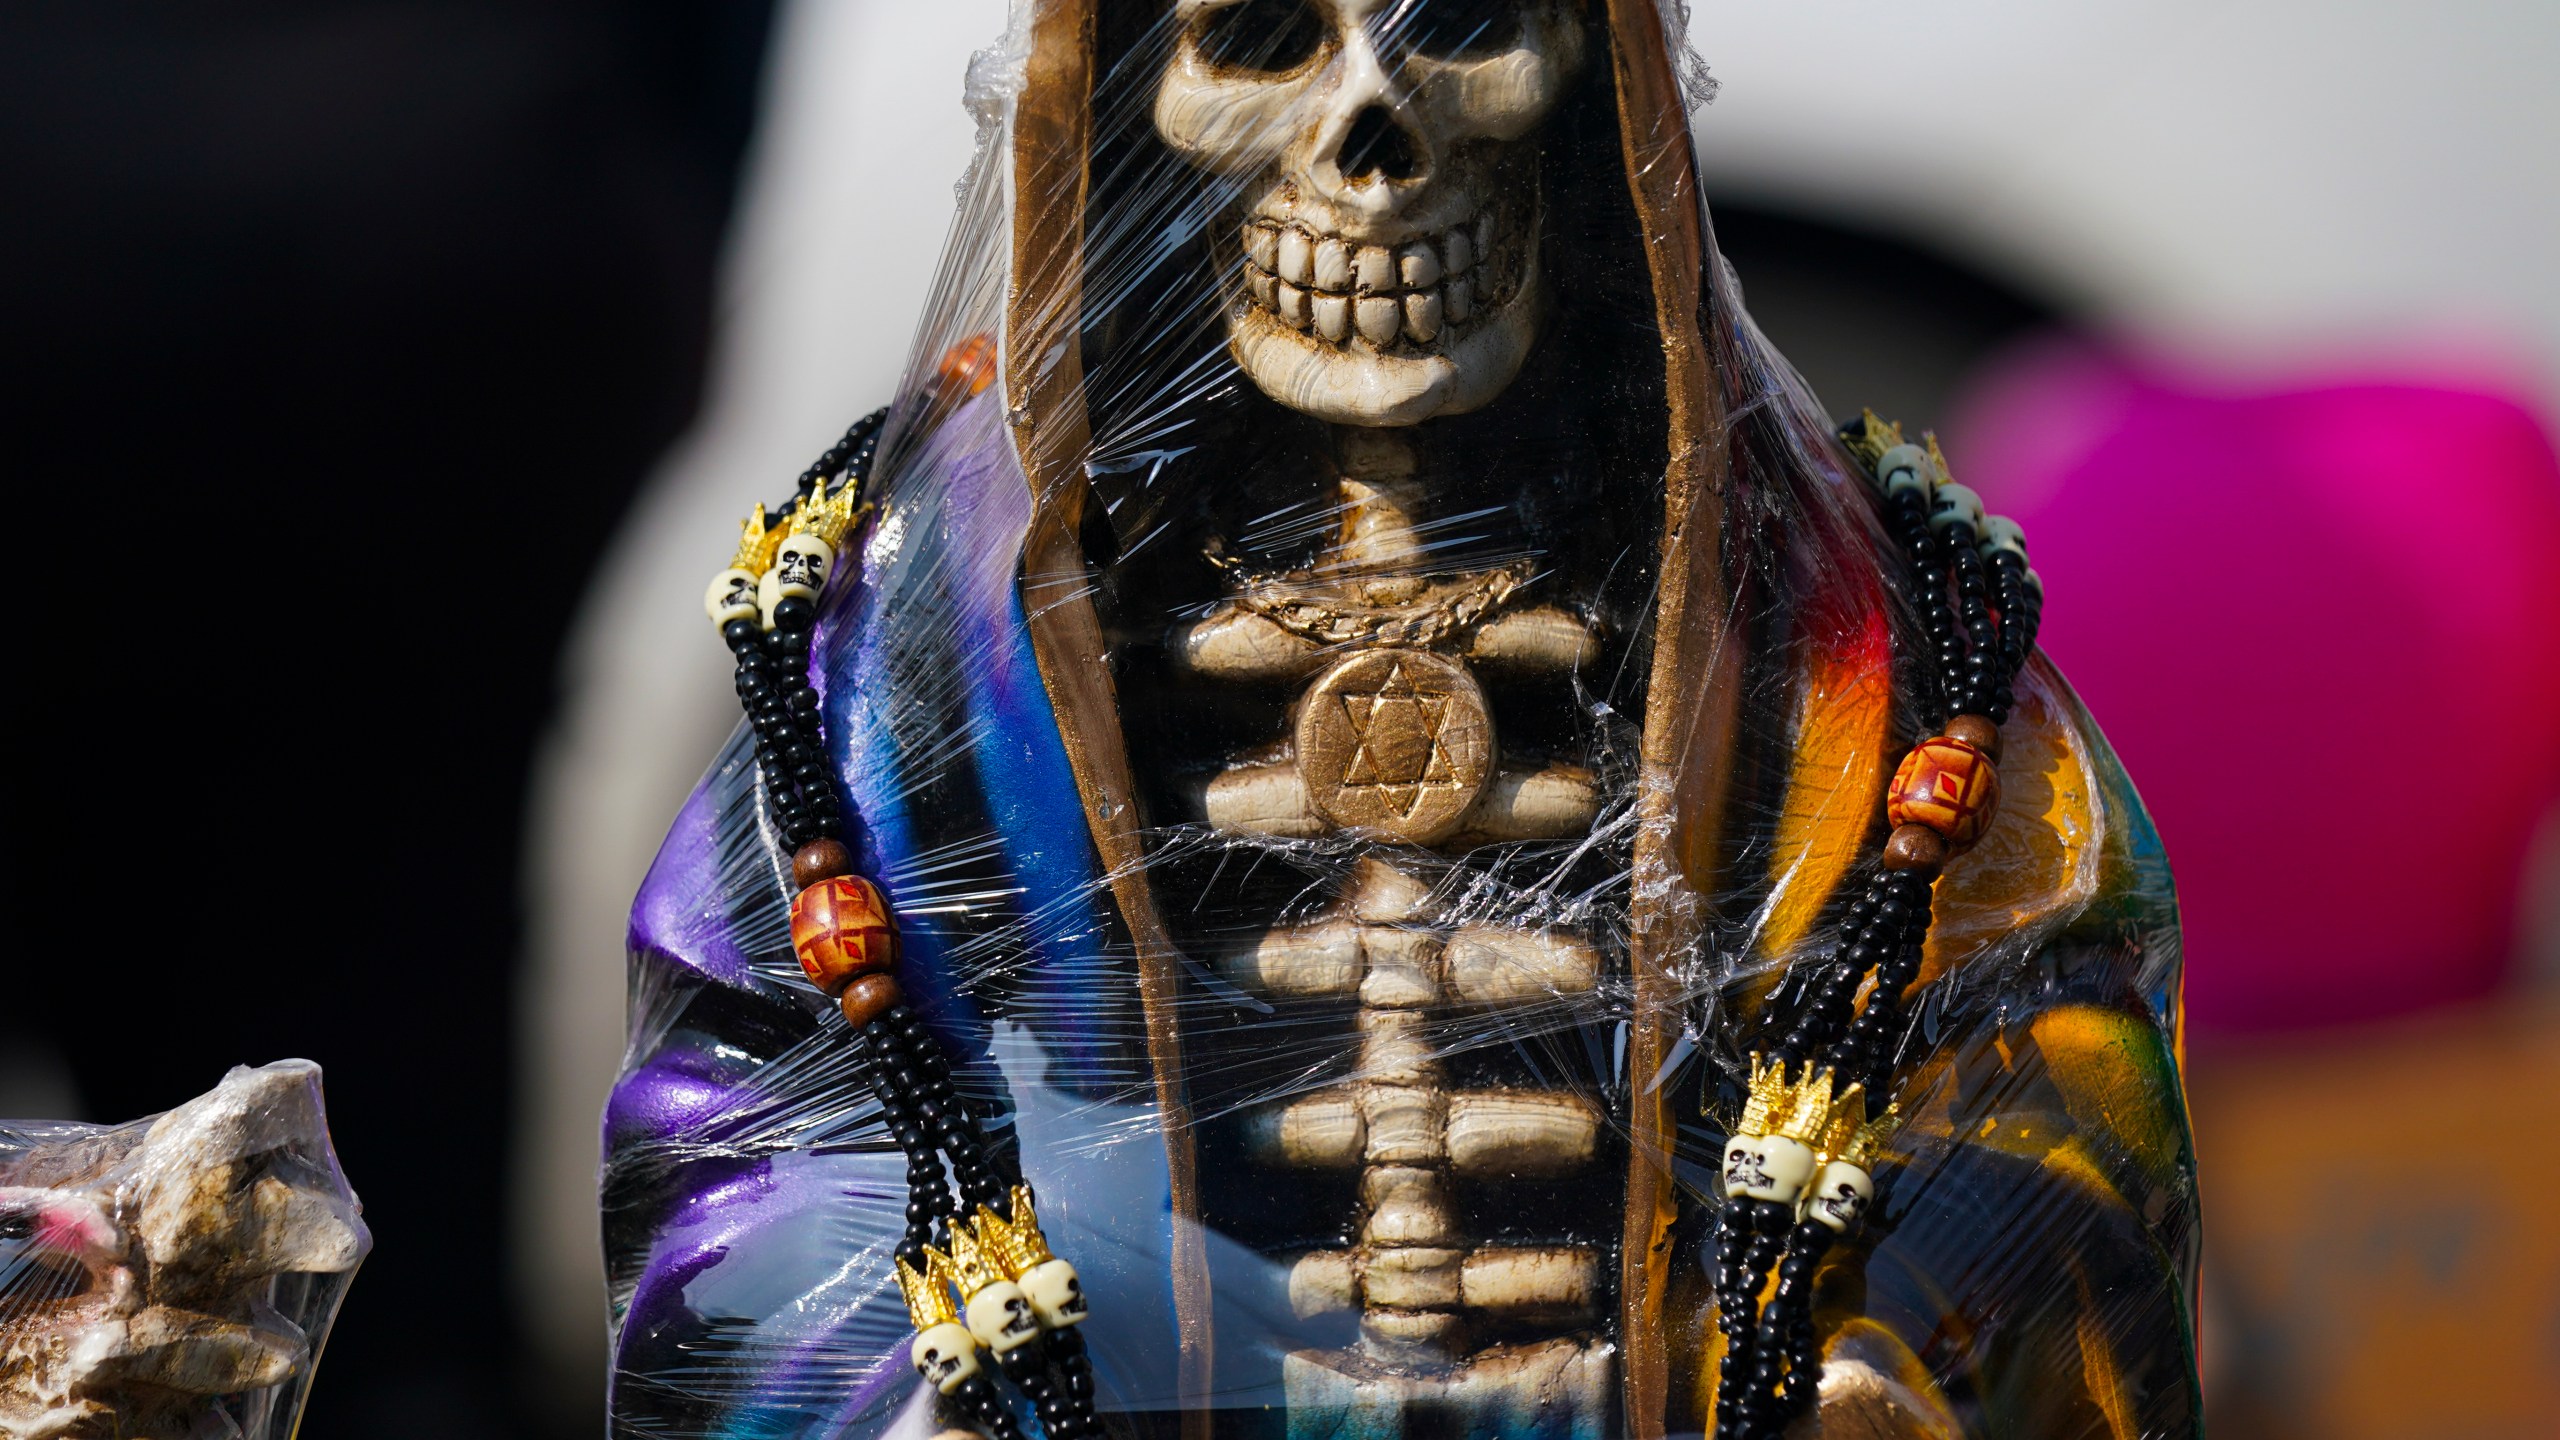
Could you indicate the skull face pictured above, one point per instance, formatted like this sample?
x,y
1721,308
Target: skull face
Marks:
x,y
1841,1195
1055,1293
1745,1168
732,596
1390,204
1766,1167
800,566
1844,1203
945,1356
1000,1315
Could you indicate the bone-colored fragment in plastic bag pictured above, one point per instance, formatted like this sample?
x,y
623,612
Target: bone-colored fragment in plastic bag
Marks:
x,y
196,1261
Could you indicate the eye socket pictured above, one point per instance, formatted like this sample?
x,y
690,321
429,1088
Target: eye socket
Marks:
x,y
1268,36
1450,29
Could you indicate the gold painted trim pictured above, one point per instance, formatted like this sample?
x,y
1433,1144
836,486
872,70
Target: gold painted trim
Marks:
x,y
1685,762
1044,388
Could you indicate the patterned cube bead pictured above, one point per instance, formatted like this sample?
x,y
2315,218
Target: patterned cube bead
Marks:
x,y
841,930
1947,785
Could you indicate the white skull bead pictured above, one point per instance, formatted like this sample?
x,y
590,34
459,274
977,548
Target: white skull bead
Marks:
x,y
1840,1195
1056,1294
945,1355
1000,1315
1388,166
801,566
731,596
1766,1167
1955,505
1904,467
1999,533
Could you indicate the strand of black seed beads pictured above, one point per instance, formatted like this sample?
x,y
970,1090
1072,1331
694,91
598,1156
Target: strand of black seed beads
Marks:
x,y
1797,1169
1018,1301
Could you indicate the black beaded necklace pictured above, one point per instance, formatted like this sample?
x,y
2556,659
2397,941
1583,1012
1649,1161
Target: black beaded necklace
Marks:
x,y
1797,1170
991,1281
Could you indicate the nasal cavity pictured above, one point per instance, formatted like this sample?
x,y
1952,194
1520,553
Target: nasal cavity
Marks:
x,y
1378,148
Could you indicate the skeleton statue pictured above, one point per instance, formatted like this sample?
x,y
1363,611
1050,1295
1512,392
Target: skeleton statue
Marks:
x,y
1357,712
173,1279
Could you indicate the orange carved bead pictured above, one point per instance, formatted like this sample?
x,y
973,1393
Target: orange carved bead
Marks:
x,y
1947,785
968,367
841,930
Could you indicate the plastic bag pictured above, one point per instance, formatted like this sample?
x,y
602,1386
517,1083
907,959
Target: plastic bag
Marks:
x,y
175,1277
1367,685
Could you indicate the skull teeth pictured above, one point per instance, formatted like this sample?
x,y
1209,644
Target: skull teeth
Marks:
x,y
1333,289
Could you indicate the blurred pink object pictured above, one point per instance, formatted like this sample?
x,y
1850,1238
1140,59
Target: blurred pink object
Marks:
x,y
2322,627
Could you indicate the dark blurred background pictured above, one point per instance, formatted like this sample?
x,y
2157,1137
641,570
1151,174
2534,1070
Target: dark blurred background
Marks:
x,y
378,373
339,337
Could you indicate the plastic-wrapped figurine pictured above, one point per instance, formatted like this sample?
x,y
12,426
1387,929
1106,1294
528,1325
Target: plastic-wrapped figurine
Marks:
x,y
1492,872
173,1279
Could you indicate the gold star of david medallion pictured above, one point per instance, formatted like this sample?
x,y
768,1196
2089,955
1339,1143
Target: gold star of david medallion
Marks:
x,y
1396,743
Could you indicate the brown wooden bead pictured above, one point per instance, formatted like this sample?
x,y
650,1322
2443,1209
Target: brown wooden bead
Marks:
x,y
1976,731
1915,847
868,998
841,930
820,860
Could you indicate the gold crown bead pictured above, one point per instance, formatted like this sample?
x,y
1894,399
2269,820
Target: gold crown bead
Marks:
x,y
1768,1156
1026,1223
827,517
1807,1114
973,1268
1866,1146
1768,1086
944,1351
1051,1284
758,538
1846,1185
1873,437
1848,1114
1002,1243
928,1291
995,1309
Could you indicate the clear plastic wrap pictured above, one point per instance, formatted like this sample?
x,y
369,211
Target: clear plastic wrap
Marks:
x,y
1367,681
173,1278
